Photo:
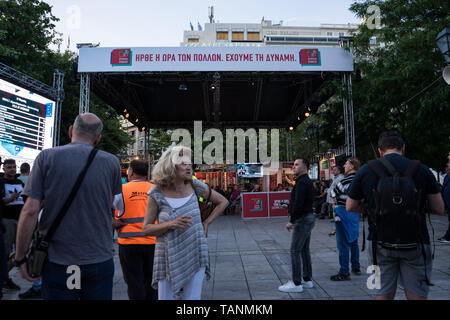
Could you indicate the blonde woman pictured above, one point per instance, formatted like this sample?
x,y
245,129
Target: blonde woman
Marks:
x,y
181,254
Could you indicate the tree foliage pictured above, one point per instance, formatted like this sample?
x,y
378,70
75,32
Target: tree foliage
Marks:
x,y
27,31
401,85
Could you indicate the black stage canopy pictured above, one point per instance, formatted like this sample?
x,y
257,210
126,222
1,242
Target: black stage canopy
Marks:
x,y
225,99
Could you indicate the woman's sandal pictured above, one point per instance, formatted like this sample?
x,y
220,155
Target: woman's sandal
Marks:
x,y
340,277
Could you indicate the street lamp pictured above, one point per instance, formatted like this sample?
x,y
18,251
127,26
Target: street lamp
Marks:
x,y
443,43
313,131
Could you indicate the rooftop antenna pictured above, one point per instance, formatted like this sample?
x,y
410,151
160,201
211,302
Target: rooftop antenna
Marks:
x,y
211,14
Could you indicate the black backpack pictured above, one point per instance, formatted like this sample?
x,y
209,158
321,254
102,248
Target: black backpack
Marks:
x,y
398,213
398,205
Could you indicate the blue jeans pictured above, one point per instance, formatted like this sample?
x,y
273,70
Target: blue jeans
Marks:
x,y
300,253
96,282
3,262
37,285
345,249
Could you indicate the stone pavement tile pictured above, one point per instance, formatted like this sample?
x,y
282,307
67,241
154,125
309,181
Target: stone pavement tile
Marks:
x,y
253,259
281,273
267,290
438,294
207,289
120,290
260,272
441,283
343,290
278,258
229,273
228,260
315,292
230,290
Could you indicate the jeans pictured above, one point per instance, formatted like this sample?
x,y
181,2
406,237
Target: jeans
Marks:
x,y
345,249
96,282
300,253
37,285
3,262
232,205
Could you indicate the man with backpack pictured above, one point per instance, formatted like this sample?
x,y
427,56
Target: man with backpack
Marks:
x,y
396,190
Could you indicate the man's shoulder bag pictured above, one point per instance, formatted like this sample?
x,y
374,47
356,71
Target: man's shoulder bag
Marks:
x,y
38,252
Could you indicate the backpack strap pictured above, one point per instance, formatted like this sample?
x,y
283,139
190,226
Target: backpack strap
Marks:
x,y
412,168
388,165
373,164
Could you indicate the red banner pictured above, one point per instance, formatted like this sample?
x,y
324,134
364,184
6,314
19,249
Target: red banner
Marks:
x,y
278,202
254,205
121,57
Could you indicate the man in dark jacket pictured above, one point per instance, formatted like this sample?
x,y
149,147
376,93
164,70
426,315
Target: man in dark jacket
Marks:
x,y
302,222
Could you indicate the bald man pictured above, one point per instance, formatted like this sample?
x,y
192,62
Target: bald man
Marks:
x,y
80,256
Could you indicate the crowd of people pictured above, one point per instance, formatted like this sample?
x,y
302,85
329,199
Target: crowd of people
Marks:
x,y
162,238
393,192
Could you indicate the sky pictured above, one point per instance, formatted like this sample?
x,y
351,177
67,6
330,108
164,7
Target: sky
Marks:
x,y
160,23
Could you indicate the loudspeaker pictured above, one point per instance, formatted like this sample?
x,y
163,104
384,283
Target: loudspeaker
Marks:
x,y
446,74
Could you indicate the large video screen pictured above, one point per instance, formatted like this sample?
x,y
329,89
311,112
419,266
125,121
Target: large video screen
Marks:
x,y
26,123
250,170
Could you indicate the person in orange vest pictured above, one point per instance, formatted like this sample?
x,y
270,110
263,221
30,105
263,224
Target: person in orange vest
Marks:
x,y
136,251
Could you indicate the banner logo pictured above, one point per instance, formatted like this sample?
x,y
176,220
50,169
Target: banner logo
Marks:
x,y
310,57
121,57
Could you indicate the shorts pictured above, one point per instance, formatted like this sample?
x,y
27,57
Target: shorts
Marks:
x,y
9,235
407,267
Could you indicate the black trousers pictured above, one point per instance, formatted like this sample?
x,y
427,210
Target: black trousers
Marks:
x,y
137,267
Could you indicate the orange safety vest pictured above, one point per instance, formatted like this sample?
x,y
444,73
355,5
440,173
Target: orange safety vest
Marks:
x,y
135,201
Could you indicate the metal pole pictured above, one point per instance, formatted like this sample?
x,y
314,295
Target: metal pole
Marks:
x,y
85,84
58,84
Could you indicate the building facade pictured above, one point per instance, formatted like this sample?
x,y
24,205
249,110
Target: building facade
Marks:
x,y
266,33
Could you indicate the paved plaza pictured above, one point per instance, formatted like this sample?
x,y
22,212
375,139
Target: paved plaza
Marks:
x,y
250,259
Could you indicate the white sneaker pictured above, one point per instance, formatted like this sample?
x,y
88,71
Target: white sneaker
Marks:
x,y
307,284
290,287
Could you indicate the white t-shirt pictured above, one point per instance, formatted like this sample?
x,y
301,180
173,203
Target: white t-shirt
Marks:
x,y
178,202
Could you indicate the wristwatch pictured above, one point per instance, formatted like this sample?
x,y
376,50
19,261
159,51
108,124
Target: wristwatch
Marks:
x,y
20,262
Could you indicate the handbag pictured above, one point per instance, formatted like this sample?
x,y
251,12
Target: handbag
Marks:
x,y
206,207
38,252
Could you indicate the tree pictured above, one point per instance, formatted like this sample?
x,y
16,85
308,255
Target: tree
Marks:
x,y
26,31
401,87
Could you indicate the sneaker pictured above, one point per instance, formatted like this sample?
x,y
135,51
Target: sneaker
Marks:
x,y
444,240
307,284
290,287
332,233
30,294
10,285
356,271
340,277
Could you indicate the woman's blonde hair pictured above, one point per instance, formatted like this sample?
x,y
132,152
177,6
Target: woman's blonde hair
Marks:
x,y
164,172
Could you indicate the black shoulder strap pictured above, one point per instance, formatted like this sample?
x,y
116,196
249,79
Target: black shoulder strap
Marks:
x,y
373,164
412,168
69,200
388,165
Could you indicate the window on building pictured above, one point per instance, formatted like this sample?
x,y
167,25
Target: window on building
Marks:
x,y
252,35
222,35
193,40
132,133
237,35
341,34
329,34
373,40
141,144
